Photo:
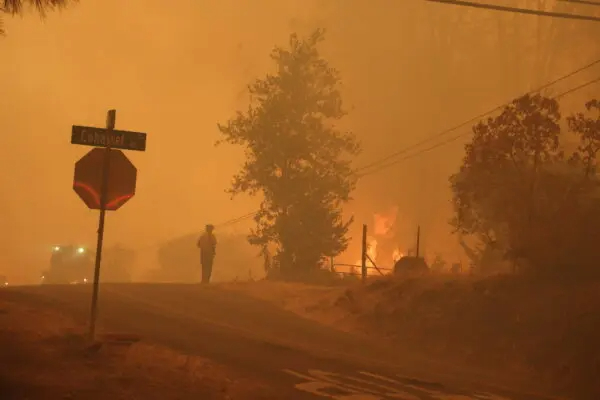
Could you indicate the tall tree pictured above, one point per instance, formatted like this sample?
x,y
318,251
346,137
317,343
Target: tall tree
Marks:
x,y
296,157
118,262
15,7
496,188
517,192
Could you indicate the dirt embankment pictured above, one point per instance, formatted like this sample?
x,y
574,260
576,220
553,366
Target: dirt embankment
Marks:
x,y
546,331
44,355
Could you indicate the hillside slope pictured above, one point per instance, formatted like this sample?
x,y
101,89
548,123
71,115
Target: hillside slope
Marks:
x,y
546,331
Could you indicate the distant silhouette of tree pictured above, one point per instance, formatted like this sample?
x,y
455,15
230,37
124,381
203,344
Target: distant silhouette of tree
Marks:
x,y
117,263
588,130
16,7
296,158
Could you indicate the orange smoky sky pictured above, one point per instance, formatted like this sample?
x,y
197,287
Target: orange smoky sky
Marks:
x,y
409,68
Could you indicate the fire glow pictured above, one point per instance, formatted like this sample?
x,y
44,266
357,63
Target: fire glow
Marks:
x,y
383,224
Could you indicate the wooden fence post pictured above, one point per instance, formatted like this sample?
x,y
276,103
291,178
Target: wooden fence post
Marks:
x,y
364,254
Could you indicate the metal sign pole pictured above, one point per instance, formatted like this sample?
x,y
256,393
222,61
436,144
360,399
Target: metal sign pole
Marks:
x,y
110,126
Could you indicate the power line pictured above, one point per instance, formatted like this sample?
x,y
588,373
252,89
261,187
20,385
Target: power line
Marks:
x,y
453,138
586,2
577,88
517,10
452,129
237,219
225,223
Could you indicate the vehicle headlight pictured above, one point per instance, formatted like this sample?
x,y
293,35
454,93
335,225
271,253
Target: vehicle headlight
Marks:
x,y
80,250
56,248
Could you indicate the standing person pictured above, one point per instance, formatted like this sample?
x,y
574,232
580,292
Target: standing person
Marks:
x,y
207,243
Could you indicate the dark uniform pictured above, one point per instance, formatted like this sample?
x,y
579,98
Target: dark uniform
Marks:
x,y
207,243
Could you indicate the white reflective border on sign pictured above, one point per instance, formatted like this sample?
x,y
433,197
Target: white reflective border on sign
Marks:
x,y
371,386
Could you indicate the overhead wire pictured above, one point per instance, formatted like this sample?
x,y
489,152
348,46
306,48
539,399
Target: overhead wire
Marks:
x,y
223,224
454,138
586,2
475,118
233,221
516,10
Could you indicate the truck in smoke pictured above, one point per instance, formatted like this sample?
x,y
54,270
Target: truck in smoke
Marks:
x,y
69,264
74,264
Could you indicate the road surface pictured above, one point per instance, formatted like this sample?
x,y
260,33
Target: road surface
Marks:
x,y
298,357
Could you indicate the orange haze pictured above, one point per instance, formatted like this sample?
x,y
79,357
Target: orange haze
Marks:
x,y
410,69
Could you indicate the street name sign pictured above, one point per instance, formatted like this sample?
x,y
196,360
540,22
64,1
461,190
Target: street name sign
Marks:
x,y
102,137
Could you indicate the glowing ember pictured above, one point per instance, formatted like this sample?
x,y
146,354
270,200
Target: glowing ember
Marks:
x,y
396,255
383,231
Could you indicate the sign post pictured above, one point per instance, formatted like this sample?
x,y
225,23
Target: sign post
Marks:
x,y
104,179
110,125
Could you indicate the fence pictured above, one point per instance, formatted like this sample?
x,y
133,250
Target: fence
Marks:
x,y
364,267
352,272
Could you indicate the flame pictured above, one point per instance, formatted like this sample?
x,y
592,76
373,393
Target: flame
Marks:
x,y
383,223
372,253
396,255
383,227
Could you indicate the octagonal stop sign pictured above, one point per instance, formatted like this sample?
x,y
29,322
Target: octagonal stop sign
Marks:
x,y
122,176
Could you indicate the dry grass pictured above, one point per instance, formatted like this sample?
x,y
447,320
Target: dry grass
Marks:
x,y
312,302
44,355
546,331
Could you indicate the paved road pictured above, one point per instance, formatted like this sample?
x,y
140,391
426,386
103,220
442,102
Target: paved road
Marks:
x,y
302,359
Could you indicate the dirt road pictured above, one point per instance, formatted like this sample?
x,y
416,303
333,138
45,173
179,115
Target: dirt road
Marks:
x,y
300,358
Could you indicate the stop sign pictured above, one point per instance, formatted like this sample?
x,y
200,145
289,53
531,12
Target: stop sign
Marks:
x,y
87,182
